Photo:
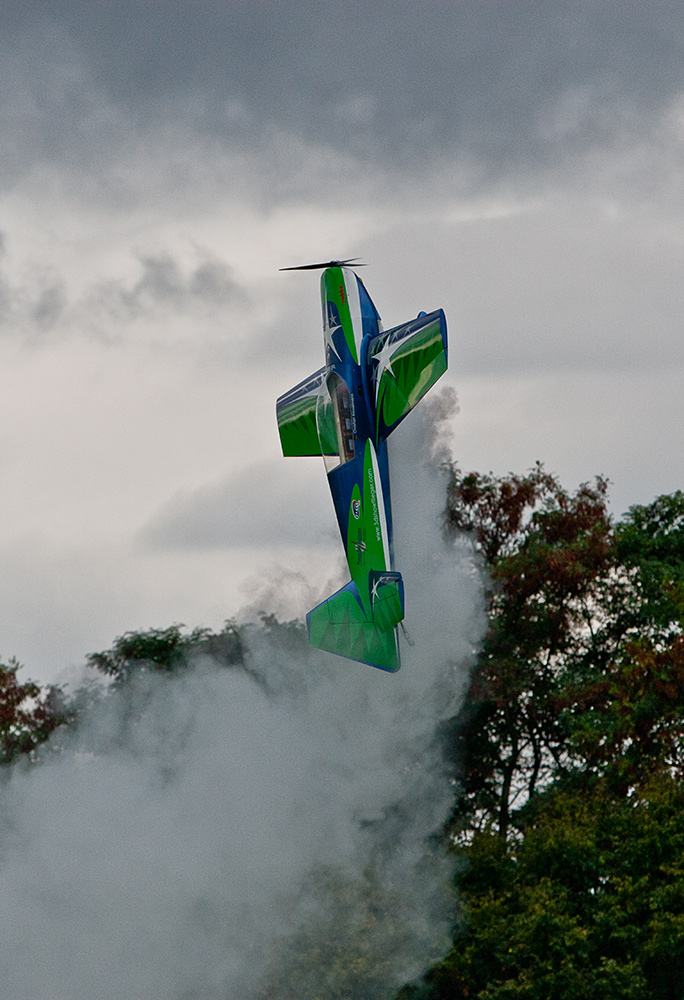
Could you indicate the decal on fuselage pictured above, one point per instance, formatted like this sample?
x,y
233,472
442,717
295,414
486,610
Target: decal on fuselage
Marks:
x,y
374,503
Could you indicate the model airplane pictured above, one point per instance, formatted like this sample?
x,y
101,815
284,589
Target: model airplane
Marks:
x,y
345,412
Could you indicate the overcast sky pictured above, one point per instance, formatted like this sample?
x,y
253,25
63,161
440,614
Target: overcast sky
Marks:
x,y
518,164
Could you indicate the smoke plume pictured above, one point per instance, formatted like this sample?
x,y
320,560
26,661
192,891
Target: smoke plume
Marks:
x,y
257,831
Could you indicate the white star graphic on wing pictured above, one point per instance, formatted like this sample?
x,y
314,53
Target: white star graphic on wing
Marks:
x,y
384,360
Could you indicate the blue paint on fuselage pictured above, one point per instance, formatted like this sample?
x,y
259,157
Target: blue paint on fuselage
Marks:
x,y
358,379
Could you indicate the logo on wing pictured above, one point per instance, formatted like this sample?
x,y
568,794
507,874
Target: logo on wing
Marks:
x,y
356,508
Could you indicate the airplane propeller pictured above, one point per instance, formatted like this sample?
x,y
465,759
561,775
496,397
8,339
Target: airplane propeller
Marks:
x,y
330,263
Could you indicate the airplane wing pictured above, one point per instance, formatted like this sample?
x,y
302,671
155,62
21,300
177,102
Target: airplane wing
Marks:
x,y
405,362
297,419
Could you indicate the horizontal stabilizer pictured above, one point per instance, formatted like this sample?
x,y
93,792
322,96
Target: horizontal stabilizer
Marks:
x,y
342,626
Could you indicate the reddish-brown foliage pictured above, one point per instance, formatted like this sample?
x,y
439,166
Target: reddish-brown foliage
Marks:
x,y
28,714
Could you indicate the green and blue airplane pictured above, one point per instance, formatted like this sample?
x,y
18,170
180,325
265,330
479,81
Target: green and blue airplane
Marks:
x,y
345,412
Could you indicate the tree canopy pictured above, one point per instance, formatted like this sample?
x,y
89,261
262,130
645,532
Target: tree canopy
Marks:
x,y
166,650
567,822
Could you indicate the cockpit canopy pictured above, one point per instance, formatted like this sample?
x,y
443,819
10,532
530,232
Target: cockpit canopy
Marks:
x,y
336,422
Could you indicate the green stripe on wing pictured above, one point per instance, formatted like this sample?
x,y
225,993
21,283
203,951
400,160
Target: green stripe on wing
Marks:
x,y
306,422
410,360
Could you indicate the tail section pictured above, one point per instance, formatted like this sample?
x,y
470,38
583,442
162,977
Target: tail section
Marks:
x,y
342,625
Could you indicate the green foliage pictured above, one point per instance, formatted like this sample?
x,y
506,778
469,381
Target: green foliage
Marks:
x,y
166,650
650,542
28,714
589,903
569,749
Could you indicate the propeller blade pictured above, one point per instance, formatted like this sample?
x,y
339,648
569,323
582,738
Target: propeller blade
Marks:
x,y
330,263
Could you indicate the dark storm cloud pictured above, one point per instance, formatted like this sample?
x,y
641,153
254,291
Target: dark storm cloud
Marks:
x,y
502,85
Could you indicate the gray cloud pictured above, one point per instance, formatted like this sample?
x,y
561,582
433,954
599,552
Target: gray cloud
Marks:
x,y
516,164
38,303
567,288
500,87
33,305
164,284
48,308
261,505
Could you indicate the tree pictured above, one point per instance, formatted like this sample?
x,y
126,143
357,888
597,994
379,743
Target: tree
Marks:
x,y
166,650
569,749
650,546
589,904
549,556
28,714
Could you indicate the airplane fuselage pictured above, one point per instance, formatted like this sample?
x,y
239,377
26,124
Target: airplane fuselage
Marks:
x,y
345,412
358,472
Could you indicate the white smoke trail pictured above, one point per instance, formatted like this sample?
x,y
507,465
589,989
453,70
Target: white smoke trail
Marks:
x,y
223,833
